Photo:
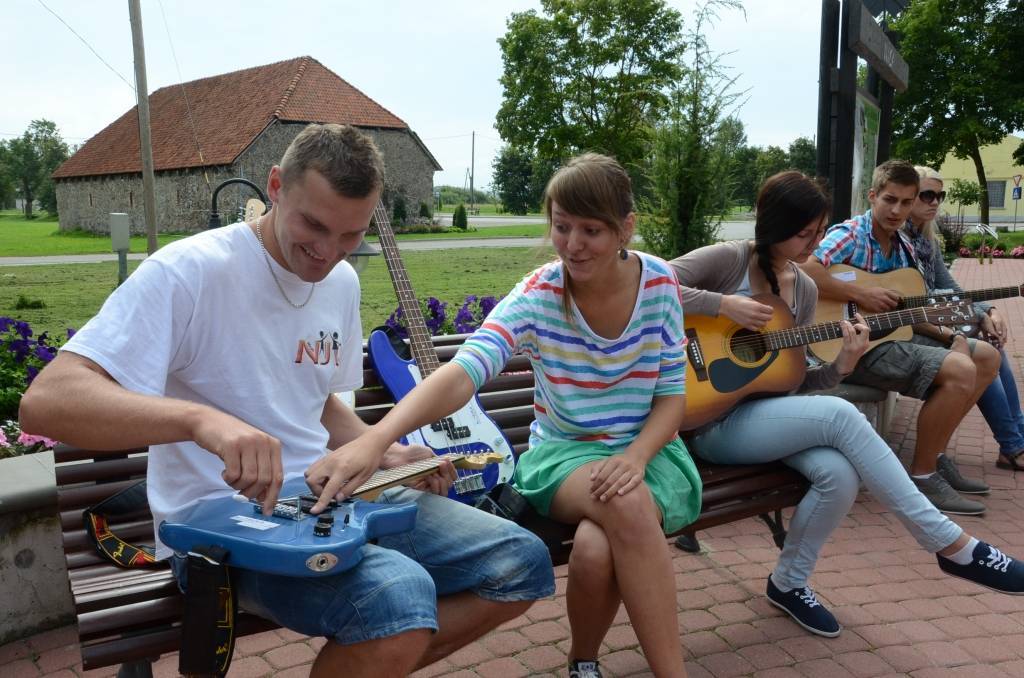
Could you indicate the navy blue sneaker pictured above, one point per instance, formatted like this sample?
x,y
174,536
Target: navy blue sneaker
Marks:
x,y
804,608
989,567
586,669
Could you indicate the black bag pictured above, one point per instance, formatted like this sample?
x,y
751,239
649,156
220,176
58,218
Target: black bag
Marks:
x,y
506,502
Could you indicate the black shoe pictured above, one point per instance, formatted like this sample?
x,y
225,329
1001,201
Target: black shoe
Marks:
x,y
588,669
948,470
804,608
989,567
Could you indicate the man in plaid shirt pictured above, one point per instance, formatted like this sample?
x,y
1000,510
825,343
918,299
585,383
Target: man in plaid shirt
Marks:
x,y
949,380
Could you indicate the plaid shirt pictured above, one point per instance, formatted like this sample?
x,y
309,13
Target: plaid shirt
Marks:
x,y
852,243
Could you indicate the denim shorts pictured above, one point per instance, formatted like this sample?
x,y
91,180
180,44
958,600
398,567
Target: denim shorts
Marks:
x,y
394,588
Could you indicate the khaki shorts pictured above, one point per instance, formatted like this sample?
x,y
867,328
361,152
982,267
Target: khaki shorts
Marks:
x,y
907,367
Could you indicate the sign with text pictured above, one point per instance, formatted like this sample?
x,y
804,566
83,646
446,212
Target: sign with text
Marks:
x,y
1016,192
869,41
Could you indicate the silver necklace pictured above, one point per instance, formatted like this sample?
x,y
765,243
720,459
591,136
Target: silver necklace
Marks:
x,y
266,255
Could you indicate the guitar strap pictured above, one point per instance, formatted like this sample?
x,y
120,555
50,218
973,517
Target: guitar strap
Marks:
x,y
208,623
129,501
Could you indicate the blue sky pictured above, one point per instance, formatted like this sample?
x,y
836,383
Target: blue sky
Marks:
x,y
434,64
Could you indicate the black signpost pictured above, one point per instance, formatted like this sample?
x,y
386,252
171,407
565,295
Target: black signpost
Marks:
x,y
854,124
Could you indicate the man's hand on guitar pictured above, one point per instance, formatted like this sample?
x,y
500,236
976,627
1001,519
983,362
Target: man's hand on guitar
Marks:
x,y
855,343
877,299
745,311
252,458
437,483
994,328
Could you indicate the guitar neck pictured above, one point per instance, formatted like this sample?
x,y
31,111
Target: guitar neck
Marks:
x,y
972,295
382,480
419,337
810,334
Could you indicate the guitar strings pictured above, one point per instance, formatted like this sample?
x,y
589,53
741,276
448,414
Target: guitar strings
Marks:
x,y
402,286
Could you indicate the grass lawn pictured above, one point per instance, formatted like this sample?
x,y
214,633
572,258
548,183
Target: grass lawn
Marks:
x,y
74,293
20,237
489,209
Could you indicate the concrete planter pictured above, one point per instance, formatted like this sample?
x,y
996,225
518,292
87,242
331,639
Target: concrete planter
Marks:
x,y
34,583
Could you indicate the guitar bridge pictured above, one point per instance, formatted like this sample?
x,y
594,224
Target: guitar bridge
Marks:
x,y
469,483
695,356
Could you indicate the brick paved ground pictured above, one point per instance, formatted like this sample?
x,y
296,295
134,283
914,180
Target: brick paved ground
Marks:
x,y
900,614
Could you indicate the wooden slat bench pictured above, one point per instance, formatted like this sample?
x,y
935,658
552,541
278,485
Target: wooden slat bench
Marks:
x,y
130,617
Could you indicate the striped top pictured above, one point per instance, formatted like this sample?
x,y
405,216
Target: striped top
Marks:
x,y
587,387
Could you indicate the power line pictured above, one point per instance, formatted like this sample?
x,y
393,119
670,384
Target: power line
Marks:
x,y
84,42
454,136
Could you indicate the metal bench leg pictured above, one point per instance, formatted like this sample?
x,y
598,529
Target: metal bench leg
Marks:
x,y
141,668
688,542
774,524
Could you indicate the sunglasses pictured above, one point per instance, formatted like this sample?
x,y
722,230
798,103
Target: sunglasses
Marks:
x,y
929,197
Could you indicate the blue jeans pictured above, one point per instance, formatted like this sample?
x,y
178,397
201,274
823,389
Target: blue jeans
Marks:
x,y
394,588
1000,405
831,443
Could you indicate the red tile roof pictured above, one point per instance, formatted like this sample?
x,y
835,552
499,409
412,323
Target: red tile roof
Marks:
x,y
228,112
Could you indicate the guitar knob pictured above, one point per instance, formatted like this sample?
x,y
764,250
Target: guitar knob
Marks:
x,y
324,523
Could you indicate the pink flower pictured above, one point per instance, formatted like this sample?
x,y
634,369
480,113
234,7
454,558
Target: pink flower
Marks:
x,y
3,439
29,440
998,253
965,251
986,250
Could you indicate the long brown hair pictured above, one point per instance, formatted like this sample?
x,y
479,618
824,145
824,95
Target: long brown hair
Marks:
x,y
786,203
592,186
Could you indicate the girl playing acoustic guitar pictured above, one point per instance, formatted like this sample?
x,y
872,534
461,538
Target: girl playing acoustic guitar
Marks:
x,y
823,437
602,326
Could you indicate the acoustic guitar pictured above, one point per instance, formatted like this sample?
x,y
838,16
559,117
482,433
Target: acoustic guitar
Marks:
x,y
909,283
727,363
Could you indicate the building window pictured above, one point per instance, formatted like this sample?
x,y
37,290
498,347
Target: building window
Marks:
x,y
90,200
131,201
997,194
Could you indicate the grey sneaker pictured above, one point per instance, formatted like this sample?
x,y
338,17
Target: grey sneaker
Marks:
x,y
945,498
949,471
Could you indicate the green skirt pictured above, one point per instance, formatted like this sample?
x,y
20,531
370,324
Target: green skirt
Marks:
x,y
671,476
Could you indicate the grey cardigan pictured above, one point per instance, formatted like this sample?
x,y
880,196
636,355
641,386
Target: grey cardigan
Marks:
x,y
709,273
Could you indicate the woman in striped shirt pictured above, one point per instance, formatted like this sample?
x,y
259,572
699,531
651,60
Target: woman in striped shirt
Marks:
x,y
603,326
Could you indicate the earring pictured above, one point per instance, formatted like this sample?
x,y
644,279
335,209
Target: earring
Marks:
x,y
623,254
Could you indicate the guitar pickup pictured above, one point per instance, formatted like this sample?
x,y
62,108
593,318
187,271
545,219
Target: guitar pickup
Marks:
x,y
469,483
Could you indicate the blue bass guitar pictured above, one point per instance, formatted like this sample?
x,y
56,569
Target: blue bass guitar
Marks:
x,y
468,431
293,542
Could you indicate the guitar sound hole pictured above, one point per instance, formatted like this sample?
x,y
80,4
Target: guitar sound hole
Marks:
x,y
748,346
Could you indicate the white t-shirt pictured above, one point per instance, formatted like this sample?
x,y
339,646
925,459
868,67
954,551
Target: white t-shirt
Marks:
x,y
202,320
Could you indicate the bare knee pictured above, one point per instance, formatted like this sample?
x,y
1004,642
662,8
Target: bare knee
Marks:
x,y
591,554
986,360
392,656
630,516
957,374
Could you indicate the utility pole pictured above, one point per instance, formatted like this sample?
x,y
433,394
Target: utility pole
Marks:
x,y
472,168
145,141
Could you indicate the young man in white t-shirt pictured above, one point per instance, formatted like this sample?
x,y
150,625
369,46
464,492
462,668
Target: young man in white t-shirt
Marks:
x,y
222,352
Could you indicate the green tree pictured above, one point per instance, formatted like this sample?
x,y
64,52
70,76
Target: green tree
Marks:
x,y
459,218
588,75
744,175
694,147
32,158
964,194
803,156
770,160
963,92
513,180
7,192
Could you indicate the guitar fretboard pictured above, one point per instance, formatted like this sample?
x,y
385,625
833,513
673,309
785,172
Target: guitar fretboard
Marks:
x,y
419,337
810,334
393,476
969,295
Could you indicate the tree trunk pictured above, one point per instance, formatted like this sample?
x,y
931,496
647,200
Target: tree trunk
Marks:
x,y
975,154
26,194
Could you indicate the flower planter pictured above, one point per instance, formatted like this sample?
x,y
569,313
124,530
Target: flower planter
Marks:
x,y
34,583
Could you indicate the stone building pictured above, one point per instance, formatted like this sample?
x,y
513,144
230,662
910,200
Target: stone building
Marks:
x,y
232,125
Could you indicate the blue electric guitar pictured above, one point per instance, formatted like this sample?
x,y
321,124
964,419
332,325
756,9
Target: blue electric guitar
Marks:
x,y
468,431
293,542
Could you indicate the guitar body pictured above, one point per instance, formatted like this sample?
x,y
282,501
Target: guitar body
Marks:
x,y
727,364
907,281
283,545
468,431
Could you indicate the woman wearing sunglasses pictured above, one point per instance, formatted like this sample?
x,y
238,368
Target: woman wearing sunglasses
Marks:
x,y
1000,403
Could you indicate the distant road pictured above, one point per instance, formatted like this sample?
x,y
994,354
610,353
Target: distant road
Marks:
x,y
731,230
